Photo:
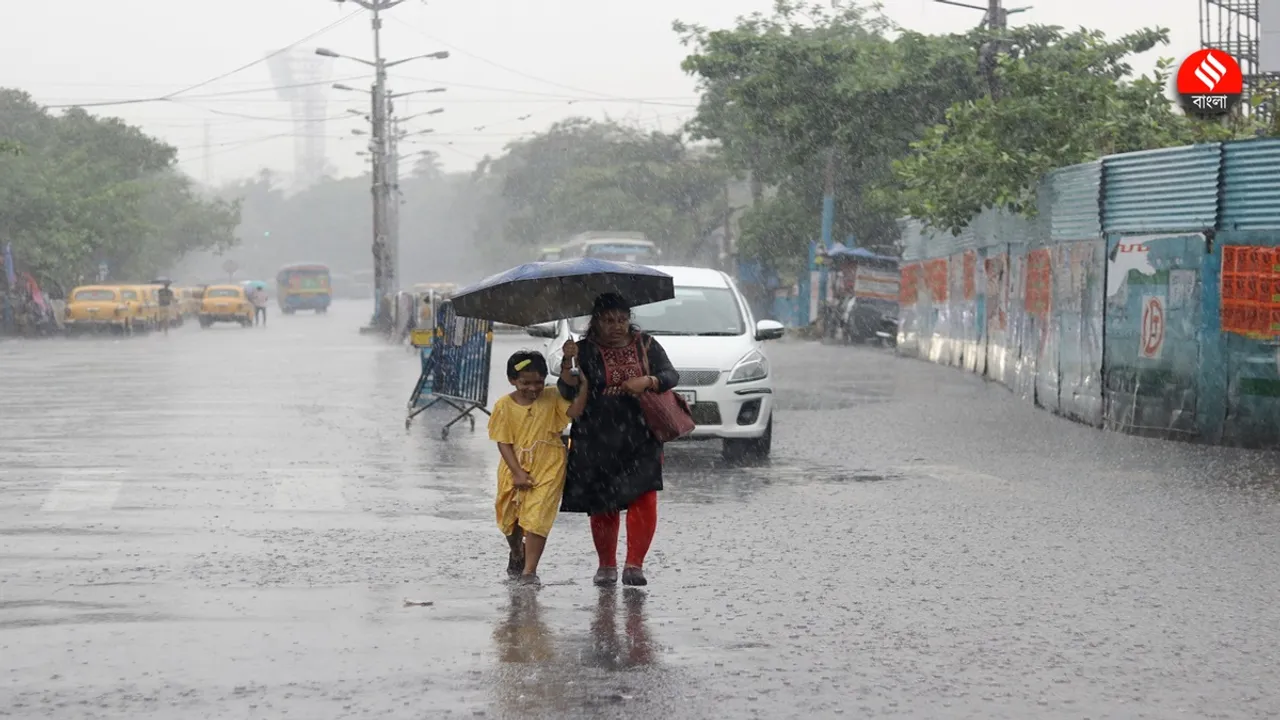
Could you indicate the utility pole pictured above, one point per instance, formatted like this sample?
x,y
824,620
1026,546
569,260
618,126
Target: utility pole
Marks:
x,y
385,256
393,194
383,274
996,18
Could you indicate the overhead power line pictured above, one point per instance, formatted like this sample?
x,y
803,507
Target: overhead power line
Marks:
x,y
500,66
216,78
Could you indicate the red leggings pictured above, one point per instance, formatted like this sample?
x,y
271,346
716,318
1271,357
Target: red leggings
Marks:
x,y
642,521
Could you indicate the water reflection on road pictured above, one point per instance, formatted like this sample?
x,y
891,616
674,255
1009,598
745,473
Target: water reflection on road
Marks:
x,y
227,523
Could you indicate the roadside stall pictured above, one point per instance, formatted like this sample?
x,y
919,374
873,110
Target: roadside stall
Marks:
x,y
864,290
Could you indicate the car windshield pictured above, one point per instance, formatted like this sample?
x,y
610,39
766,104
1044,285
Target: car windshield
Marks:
x,y
223,293
705,312
95,295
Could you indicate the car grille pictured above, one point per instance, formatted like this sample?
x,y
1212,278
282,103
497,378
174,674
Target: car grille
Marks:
x,y
705,413
698,378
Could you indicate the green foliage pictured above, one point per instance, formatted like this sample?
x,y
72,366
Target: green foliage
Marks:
x,y
86,190
1064,99
781,91
584,175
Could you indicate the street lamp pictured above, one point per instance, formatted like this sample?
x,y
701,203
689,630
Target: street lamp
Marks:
x,y
440,55
326,52
417,92
437,111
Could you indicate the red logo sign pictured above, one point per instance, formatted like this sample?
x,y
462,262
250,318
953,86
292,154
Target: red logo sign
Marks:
x,y
1152,340
1210,82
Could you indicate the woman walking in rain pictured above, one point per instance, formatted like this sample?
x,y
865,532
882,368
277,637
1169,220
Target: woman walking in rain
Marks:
x,y
615,463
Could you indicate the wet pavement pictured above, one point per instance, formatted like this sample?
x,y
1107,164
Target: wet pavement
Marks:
x,y
227,523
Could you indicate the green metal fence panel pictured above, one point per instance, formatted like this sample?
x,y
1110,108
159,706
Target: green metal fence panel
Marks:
x,y
1251,185
1073,209
1168,190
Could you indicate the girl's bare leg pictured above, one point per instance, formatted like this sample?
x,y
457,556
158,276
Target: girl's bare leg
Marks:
x,y
516,560
533,547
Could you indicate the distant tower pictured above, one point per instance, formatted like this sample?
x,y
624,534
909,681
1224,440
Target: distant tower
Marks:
x,y
302,78
1233,26
208,153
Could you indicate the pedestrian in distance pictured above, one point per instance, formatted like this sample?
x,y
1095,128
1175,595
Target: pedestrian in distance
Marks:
x,y
165,295
527,424
259,298
615,462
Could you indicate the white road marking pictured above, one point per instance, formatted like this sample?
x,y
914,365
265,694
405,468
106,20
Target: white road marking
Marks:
x,y
308,491
82,495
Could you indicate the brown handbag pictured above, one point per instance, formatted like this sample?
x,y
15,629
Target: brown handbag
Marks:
x,y
666,413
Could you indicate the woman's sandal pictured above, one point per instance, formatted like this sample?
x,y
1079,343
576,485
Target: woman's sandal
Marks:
x,y
606,576
633,576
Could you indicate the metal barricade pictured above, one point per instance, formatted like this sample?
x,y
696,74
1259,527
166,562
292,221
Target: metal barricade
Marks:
x,y
455,368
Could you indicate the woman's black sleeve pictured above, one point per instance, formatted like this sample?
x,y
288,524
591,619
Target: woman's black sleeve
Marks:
x,y
660,367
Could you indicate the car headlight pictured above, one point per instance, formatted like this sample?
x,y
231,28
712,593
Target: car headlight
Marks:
x,y
753,366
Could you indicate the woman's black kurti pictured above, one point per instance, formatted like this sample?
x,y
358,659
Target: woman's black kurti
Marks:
x,y
613,459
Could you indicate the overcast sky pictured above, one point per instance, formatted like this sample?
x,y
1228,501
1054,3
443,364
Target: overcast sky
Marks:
x,y
516,67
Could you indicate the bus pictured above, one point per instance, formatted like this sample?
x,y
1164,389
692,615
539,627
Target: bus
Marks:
x,y
632,247
303,286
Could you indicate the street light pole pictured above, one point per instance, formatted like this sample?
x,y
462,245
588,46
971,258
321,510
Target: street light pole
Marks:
x,y
393,189
384,278
384,184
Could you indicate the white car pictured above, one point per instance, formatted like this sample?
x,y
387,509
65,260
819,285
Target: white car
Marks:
x,y
718,348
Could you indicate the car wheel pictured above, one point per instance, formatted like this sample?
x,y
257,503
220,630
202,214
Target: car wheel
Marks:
x,y
750,450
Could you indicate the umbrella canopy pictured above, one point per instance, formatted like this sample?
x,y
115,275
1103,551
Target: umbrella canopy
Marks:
x,y
541,292
161,281
255,284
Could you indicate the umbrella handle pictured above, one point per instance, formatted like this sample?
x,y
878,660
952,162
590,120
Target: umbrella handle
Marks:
x,y
573,367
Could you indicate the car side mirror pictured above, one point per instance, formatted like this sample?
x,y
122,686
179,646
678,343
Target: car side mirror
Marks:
x,y
769,330
545,330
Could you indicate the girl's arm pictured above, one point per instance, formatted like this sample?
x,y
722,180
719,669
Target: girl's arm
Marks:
x,y
580,402
521,478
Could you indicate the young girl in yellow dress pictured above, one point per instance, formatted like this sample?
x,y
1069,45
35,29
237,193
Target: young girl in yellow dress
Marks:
x,y
527,424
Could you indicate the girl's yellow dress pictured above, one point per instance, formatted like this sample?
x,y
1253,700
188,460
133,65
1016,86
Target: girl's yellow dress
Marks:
x,y
534,431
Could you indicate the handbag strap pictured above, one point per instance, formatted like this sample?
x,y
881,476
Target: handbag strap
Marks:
x,y
644,355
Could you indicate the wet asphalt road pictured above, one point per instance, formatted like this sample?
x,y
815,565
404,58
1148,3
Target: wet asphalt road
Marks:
x,y
226,523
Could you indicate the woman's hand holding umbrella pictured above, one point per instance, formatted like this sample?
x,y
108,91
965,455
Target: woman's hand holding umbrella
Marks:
x,y
570,353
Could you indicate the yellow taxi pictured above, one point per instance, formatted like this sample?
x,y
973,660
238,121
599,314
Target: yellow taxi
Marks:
x,y
135,299
225,303
188,301
149,313
96,307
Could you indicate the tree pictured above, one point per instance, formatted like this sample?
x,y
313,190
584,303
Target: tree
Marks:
x,y
87,190
584,175
1065,99
780,92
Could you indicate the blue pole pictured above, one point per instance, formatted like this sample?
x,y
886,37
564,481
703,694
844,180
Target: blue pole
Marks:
x,y
828,223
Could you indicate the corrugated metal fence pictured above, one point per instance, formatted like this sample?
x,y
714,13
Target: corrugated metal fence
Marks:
x,y
1113,306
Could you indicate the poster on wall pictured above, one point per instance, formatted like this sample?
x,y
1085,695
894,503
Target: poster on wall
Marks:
x,y
1182,288
997,297
1151,339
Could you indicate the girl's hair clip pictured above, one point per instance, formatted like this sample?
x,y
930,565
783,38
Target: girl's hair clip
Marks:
x,y
522,365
